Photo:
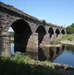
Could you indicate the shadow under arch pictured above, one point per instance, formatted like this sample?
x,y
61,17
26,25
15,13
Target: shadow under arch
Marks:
x,y
22,33
51,31
41,33
62,31
57,32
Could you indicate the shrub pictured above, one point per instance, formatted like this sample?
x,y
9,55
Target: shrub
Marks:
x,y
44,22
70,39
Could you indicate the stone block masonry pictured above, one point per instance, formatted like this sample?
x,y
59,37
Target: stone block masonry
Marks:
x,y
30,32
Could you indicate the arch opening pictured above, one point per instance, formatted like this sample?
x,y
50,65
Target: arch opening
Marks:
x,y
63,32
22,33
57,32
51,32
41,33
11,33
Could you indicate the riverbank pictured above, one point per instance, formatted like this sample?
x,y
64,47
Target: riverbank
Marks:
x,y
67,42
50,45
23,65
67,39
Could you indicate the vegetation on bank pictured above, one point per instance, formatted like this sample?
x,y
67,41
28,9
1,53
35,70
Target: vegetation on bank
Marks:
x,y
11,34
67,37
70,33
11,37
69,48
53,42
70,29
23,65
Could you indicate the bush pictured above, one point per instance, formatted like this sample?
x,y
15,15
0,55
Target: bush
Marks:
x,y
70,29
54,42
44,22
70,39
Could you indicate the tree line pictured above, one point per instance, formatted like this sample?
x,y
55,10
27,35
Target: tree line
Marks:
x,y
70,29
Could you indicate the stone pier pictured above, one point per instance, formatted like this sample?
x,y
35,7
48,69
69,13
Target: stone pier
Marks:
x,y
30,32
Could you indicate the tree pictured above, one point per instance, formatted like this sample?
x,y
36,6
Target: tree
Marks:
x,y
44,22
72,25
70,29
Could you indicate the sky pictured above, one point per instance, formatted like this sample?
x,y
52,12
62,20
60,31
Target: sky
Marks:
x,y
59,12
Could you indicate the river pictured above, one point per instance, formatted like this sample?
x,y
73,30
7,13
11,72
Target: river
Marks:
x,y
62,55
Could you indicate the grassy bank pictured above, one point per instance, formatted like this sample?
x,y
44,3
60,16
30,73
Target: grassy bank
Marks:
x,y
69,37
23,65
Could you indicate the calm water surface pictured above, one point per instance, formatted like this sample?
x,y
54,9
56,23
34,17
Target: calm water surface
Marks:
x,y
67,57
62,55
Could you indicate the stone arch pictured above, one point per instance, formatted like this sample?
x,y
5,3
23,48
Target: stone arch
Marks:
x,y
22,33
41,33
57,32
51,31
62,31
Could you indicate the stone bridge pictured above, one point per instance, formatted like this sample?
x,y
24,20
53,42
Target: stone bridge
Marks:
x,y
29,32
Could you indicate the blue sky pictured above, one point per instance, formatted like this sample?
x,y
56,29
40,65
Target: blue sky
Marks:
x,y
59,12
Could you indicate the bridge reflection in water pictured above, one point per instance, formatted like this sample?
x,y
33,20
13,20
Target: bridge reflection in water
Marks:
x,y
50,53
63,54
44,53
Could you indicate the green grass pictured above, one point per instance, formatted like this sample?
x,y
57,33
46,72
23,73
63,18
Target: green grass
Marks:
x,y
23,65
68,37
11,34
54,42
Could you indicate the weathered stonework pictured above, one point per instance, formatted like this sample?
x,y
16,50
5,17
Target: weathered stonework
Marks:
x,y
30,32
5,45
